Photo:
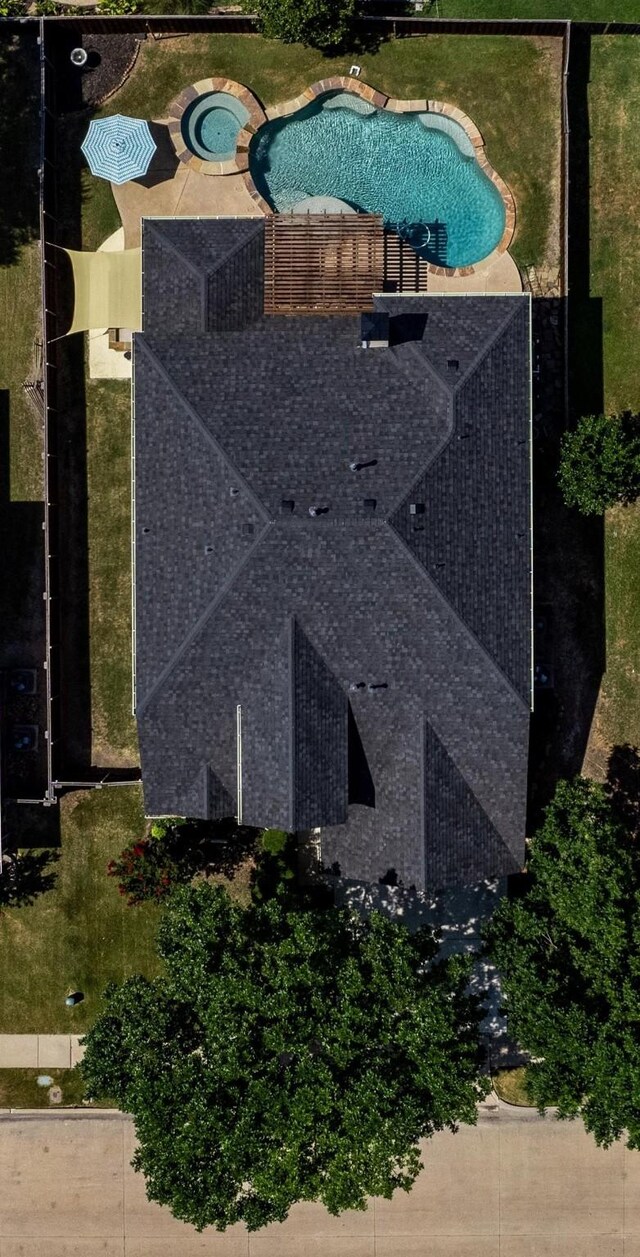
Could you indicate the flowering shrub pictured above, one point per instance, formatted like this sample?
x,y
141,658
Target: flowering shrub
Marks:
x,y
149,868
175,851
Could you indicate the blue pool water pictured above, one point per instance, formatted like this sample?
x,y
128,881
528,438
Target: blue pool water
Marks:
x,y
211,124
416,176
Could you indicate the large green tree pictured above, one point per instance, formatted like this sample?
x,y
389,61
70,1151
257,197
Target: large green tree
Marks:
x,y
600,462
324,24
568,951
288,1053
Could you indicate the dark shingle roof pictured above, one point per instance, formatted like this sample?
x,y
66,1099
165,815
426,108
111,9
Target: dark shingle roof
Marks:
x,y
345,636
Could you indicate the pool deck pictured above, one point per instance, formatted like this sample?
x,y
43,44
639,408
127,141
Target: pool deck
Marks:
x,y
497,274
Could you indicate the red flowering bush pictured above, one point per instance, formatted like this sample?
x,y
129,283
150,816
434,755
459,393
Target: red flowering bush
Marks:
x,y
175,851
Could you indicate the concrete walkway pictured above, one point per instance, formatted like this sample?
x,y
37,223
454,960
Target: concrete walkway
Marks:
x,y
506,1188
40,1051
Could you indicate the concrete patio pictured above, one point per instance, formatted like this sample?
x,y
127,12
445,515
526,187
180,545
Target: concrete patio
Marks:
x,y
171,189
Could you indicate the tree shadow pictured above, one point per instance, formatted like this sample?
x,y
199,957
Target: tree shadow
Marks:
x,y
623,786
25,876
19,213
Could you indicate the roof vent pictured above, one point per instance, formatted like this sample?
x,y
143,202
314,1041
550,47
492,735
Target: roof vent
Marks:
x,y
377,685
416,508
369,505
233,491
452,364
208,549
374,330
318,510
286,506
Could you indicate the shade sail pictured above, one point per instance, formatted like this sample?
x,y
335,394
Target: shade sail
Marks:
x,y
108,290
118,148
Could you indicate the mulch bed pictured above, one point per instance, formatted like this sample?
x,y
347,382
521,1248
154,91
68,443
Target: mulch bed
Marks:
x,y
110,59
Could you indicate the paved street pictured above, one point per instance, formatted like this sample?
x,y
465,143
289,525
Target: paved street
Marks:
x,y
515,1186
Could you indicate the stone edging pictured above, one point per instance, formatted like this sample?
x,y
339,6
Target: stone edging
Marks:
x,y
343,82
240,161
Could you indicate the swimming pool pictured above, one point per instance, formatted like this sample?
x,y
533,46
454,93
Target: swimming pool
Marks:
x,y
417,170
211,124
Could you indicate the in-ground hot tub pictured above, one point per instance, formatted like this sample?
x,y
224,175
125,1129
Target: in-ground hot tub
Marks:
x,y
211,124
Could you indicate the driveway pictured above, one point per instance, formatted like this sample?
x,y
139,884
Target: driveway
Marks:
x,y
514,1186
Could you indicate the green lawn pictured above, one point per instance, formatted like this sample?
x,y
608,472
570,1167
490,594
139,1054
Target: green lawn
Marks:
x,y
19,262
81,934
576,10
109,482
511,1085
20,319
19,1088
614,106
487,77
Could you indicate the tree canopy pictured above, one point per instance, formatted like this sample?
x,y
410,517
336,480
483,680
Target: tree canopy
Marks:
x,y
600,462
324,24
286,1054
569,957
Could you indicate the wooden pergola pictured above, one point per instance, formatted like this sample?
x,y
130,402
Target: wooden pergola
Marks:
x,y
322,263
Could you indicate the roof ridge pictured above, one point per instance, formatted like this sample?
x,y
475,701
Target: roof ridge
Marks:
x,y
453,393
258,226
202,620
142,342
428,723
487,347
177,252
472,636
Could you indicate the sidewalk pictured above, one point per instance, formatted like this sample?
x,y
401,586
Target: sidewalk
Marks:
x,y
40,1051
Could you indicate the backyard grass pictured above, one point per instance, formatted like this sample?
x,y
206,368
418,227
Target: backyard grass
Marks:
x,y
81,934
490,78
614,108
20,319
576,10
114,740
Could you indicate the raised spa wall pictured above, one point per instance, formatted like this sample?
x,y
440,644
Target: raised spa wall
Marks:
x,y
240,160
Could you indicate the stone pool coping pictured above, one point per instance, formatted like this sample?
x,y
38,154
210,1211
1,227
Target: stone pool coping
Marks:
x,y
240,160
344,82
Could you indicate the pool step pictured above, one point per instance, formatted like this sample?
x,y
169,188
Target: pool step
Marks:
x,y
404,270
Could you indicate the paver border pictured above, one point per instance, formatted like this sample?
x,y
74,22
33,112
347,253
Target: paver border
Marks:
x,y
240,160
346,83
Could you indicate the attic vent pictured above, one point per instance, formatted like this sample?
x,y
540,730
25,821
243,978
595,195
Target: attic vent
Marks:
x,y
233,491
208,549
374,330
369,505
452,364
416,508
286,506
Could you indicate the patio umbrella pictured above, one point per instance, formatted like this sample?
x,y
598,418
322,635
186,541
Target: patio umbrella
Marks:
x,y
118,148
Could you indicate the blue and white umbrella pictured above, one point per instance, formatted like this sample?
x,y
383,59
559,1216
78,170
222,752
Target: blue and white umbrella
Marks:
x,y
118,148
